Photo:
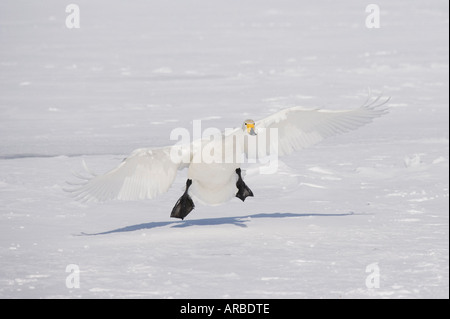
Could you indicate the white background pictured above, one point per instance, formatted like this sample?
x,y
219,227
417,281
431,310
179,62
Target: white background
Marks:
x,y
135,70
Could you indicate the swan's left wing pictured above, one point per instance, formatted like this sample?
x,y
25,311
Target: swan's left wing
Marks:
x,y
298,128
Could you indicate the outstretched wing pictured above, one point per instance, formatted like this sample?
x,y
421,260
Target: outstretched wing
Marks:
x,y
146,173
299,128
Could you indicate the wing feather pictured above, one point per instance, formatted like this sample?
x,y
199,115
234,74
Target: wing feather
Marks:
x,y
146,173
299,128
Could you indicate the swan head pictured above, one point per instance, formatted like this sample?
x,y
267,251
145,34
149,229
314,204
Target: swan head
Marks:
x,y
249,127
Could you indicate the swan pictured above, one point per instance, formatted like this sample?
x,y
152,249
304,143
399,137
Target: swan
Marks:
x,y
216,178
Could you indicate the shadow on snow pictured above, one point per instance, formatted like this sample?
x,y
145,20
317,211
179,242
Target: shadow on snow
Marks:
x,y
240,221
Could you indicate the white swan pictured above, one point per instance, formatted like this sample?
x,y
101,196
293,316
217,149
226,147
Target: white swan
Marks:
x,y
149,172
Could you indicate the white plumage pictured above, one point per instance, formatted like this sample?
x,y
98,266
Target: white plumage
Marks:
x,y
299,128
146,173
149,172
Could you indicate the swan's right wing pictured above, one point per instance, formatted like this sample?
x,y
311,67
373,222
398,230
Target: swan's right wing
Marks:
x,y
146,173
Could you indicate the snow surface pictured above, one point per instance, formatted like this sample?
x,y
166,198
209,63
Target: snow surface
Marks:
x,y
132,72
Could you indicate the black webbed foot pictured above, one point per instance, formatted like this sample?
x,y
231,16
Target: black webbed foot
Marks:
x,y
184,205
243,190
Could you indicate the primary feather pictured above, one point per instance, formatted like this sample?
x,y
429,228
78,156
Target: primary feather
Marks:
x,y
146,173
299,128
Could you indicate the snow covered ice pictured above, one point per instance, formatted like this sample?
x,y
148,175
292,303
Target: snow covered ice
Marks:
x,y
370,204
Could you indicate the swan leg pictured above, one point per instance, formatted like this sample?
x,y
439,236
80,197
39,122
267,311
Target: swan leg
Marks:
x,y
184,205
243,190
